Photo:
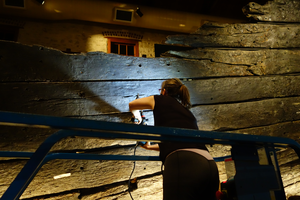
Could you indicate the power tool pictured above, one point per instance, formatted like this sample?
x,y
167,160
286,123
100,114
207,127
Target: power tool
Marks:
x,y
143,122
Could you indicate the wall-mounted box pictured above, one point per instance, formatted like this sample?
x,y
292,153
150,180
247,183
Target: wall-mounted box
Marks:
x,y
123,15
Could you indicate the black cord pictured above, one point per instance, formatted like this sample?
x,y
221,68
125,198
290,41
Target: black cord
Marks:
x,y
143,122
132,171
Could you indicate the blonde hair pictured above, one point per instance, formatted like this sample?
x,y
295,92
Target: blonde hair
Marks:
x,y
175,88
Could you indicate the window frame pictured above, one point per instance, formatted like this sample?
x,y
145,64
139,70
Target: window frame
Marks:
x,y
134,43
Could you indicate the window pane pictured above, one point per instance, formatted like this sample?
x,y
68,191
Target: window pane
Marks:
x,y
114,48
122,49
130,50
17,3
124,15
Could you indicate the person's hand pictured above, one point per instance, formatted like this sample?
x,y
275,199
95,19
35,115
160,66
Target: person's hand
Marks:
x,y
149,146
136,120
137,117
146,146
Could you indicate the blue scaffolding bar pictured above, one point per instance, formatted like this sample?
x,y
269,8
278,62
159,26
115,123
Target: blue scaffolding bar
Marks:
x,y
100,129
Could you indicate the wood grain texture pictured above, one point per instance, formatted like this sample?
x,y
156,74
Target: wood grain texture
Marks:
x,y
258,61
274,11
248,35
245,80
247,115
84,173
40,64
109,97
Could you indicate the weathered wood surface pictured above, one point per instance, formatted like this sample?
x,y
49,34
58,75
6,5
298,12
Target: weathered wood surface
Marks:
x,y
84,173
226,96
258,61
248,35
107,101
289,129
100,66
231,116
248,114
274,11
290,176
96,98
29,139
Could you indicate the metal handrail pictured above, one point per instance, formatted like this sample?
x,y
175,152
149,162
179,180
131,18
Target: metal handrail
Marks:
x,y
101,129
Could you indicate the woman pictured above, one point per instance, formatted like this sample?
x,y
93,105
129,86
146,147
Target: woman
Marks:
x,y
189,170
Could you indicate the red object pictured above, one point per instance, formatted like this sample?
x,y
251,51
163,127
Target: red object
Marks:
x,y
219,195
228,159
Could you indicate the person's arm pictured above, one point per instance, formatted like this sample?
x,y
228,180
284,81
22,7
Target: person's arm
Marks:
x,y
141,104
148,146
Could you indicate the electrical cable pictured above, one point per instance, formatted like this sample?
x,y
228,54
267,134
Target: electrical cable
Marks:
x,y
143,122
132,171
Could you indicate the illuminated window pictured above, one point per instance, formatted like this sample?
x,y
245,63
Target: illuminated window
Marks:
x,y
124,47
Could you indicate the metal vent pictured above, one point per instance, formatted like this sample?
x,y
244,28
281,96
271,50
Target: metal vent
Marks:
x,y
12,22
123,15
14,3
122,34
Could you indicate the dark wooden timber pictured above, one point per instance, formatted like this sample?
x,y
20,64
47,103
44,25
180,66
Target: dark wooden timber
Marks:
x,y
258,61
243,78
249,35
225,117
274,11
96,98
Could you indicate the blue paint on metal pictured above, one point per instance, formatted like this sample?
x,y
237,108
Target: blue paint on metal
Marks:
x,y
112,130
15,154
86,156
131,131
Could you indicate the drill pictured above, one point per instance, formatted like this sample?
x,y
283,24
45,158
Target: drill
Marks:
x,y
143,122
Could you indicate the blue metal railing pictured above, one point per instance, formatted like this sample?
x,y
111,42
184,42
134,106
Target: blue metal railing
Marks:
x,y
90,128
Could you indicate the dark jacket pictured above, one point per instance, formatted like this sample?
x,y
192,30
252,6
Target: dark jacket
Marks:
x,y
168,112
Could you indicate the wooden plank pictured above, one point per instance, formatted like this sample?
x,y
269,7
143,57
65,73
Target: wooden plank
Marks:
x,y
109,97
251,35
32,63
290,174
22,138
227,117
28,139
99,86
290,129
84,173
226,90
274,11
258,61
48,65
74,99
108,101
36,63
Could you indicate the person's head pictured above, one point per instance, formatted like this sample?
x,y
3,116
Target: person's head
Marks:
x,y
175,88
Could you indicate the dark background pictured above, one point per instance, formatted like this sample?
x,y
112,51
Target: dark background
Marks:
x,y
221,8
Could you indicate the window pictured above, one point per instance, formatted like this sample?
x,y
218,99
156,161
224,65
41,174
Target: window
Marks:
x,y
14,3
124,47
123,15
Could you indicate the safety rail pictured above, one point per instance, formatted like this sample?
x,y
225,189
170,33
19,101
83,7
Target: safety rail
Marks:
x,y
112,130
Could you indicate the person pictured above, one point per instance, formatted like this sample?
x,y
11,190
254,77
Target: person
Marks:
x,y
189,170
